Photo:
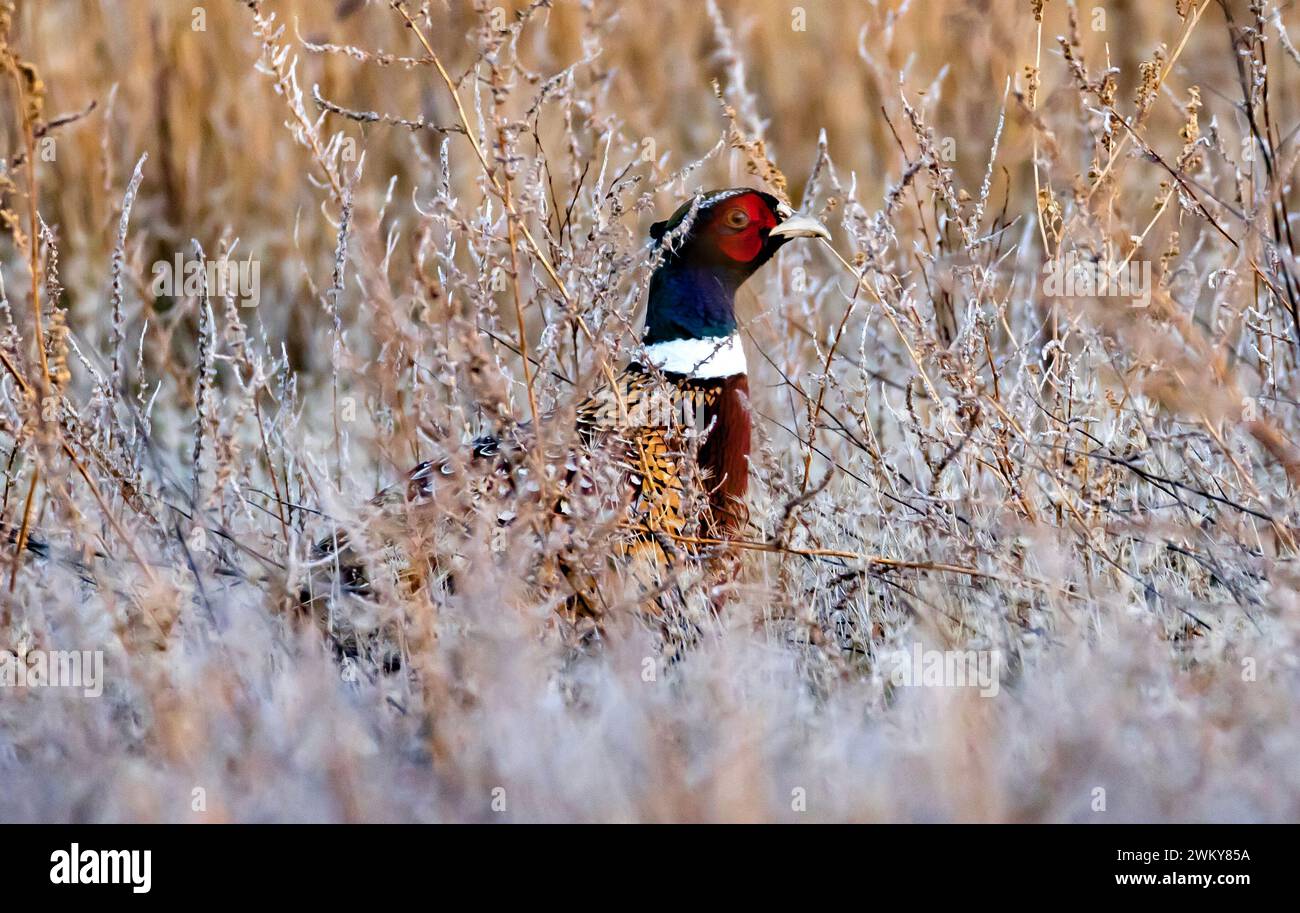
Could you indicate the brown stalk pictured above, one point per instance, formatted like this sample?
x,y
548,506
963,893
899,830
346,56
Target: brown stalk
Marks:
x,y
545,261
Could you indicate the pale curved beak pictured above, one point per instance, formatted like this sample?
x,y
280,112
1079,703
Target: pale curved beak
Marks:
x,y
799,226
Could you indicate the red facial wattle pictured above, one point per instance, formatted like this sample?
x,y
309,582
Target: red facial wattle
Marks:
x,y
744,244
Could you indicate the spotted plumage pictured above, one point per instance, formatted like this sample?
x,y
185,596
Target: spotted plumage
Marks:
x,y
665,423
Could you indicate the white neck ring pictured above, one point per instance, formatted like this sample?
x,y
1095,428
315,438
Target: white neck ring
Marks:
x,y
710,357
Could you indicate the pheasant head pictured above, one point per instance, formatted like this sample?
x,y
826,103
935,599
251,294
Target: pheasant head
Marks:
x,y
691,314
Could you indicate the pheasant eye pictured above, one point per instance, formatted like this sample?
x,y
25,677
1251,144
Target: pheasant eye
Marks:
x,y
736,218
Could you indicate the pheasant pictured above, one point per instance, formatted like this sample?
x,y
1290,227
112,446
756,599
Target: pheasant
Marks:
x,y
683,398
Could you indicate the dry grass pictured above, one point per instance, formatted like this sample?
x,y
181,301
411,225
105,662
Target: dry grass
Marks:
x,y
947,454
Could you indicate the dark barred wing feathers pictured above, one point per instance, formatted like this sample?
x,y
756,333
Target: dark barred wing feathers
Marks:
x,y
642,424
